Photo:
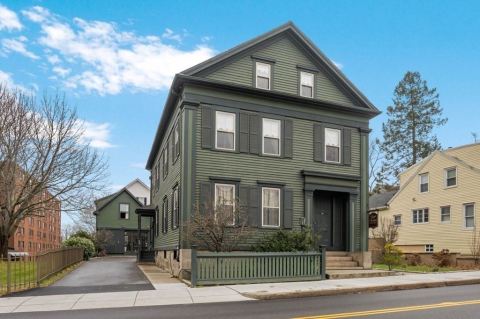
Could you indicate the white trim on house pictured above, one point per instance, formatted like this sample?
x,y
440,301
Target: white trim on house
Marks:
x,y
227,130
274,207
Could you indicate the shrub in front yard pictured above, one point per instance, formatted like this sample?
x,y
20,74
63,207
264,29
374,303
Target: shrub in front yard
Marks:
x,y
442,258
284,241
413,259
86,244
392,256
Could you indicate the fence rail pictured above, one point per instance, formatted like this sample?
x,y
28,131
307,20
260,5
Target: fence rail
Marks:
x,y
24,272
209,268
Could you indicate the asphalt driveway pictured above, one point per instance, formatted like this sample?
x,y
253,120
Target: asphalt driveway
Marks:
x,y
106,274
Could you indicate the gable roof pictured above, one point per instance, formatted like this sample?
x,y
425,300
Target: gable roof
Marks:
x,y
137,180
380,200
103,202
304,42
191,75
426,160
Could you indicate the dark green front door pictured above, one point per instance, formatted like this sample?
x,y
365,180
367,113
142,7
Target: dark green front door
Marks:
x,y
329,220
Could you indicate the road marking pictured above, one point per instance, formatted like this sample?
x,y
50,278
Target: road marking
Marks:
x,y
393,310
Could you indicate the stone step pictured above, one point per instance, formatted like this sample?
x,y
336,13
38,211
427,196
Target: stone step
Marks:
x,y
344,268
337,253
364,273
339,258
341,264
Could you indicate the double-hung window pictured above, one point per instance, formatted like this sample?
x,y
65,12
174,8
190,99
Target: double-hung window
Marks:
x,y
270,207
263,75
225,203
423,180
332,145
451,177
469,212
306,84
175,210
124,210
225,131
176,141
445,214
420,216
271,136
165,215
397,220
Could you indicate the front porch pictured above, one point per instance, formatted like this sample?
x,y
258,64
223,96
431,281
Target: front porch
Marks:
x,y
146,251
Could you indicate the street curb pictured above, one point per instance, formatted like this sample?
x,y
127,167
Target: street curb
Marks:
x,y
346,291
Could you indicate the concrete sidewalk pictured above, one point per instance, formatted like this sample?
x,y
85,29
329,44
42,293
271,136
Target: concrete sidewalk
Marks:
x,y
179,293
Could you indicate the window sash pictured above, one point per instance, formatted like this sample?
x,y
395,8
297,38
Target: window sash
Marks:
x,y
165,216
424,181
397,220
271,133
333,145
263,71
451,177
306,84
469,214
420,216
220,199
175,210
445,214
225,126
270,207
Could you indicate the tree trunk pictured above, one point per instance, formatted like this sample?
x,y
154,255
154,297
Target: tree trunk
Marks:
x,y
3,246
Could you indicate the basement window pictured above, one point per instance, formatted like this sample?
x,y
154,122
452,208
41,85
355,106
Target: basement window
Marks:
x,y
429,248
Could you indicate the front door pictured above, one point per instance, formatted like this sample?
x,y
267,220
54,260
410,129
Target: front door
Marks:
x,y
329,220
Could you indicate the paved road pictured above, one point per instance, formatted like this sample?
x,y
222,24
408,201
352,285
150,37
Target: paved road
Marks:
x,y
302,307
106,274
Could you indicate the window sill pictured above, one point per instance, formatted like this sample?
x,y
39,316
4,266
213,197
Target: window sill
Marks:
x,y
449,187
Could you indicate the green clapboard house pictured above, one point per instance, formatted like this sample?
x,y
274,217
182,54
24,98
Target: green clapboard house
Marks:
x,y
115,217
271,122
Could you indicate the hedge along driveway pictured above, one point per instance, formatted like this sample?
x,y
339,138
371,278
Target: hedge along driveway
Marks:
x,y
106,274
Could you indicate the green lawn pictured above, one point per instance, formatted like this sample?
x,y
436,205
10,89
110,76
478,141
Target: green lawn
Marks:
x,y
419,268
22,275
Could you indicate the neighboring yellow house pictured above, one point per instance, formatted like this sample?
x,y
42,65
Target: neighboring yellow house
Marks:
x,y
436,205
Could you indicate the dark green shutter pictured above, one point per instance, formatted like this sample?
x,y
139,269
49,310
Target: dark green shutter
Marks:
x,y
318,140
288,138
208,123
244,133
172,144
254,134
287,208
254,207
243,194
347,146
179,130
206,197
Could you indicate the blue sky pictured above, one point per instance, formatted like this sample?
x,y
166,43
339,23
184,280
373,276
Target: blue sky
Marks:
x,y
115,59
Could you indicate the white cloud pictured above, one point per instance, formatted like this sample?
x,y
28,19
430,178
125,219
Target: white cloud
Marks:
x,y
6,79
9,19
112,60
62,72
53,59
97,135
338,65
18,45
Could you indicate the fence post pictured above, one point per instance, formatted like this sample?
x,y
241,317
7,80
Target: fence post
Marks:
x,y
9,274
193,266
323,253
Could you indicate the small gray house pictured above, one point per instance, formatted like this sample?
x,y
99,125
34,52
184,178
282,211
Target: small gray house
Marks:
x,y
274,123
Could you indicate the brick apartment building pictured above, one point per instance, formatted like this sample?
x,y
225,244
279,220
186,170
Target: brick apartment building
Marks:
x,y
39,233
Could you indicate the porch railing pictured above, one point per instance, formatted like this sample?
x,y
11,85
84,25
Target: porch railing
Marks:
x,y
209,268
21,272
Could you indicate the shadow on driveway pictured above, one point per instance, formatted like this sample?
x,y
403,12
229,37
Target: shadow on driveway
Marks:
x,y
106,274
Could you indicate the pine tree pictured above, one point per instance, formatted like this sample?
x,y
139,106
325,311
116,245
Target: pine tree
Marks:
x,y
408,133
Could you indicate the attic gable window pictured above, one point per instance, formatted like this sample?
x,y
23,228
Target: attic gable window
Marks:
x,y
306,84
423,180
451,177
263,72
124,210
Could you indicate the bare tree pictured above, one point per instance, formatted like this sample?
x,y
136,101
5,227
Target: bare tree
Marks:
x,y
475,137
475,245
386,230
377,174
43,159
219,228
